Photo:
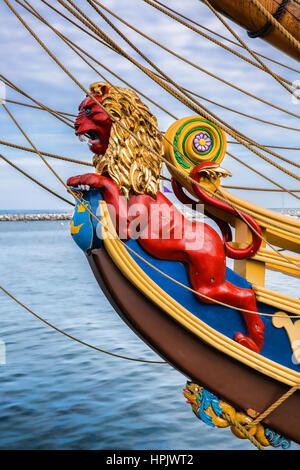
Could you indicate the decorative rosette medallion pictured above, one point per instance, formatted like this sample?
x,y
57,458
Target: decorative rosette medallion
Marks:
x,y
202,142
194,140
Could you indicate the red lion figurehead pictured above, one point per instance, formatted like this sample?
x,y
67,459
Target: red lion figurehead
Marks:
x,y
93,122
127,167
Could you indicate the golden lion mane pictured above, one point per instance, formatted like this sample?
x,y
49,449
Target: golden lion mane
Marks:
x,y
129,163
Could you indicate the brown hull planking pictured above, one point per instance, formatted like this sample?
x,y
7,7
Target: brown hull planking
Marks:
x,y
249,17
232,381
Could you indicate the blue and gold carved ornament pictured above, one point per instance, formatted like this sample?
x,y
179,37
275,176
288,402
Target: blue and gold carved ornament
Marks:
x,y
85,229
214,412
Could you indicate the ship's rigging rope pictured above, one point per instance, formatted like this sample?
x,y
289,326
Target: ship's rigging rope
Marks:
x,y
164,178
84,343
150,39
261,65
254,170
181,95
187,99
85,20
78,200
278,26
240,113
64,38
223,37
210,299
89,23
224,199
139,92
91,96
265,29
248,188
101,64
54,113
46,154
89,164
72,160
38,107
97,102
35,180
245,430
254,55
60,35
76,81
256,144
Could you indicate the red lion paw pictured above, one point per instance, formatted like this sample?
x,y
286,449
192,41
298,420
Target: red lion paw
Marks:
x,y
88,180
254,342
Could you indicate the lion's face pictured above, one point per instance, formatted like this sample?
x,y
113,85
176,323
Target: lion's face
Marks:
x,y
117,152
94,123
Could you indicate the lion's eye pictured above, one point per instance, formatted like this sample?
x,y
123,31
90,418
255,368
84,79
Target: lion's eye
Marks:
x,y
87,111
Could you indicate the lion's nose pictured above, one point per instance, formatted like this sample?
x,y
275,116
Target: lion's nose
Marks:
x,y
76,127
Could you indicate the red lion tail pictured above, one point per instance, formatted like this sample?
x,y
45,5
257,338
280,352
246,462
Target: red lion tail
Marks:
x,y
231,252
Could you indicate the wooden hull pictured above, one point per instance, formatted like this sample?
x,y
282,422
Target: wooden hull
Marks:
x,y
249,17
242,386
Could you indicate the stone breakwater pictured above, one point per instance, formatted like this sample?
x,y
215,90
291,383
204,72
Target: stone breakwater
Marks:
x,y
33,217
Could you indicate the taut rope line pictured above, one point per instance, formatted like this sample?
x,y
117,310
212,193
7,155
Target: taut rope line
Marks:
x,y
69,41
36,181
91,25
200,109
38,107
62,37
277,25
96,101
99,63
46,154
46,108
260,63
139,92
95,28
279,79
223,37
73,337
127,247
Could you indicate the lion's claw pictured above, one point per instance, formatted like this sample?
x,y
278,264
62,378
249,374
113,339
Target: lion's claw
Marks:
x,y
86,181
248,342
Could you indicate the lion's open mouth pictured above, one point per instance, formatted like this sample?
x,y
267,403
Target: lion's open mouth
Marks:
x,y
93,137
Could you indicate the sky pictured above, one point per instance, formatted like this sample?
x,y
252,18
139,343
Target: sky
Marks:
x,y
24,62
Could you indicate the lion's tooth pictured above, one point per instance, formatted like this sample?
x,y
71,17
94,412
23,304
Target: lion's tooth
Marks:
x,y
82,138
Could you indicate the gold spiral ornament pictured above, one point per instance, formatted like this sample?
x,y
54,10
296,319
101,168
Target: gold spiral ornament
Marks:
x,y
190,141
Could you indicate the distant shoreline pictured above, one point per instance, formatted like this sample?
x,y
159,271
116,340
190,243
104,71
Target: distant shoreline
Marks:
x,y
32,216
29,217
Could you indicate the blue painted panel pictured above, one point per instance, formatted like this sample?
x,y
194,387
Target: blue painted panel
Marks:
x,y
85,229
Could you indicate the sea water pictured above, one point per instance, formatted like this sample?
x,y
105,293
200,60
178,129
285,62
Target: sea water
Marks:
x,y
58,394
